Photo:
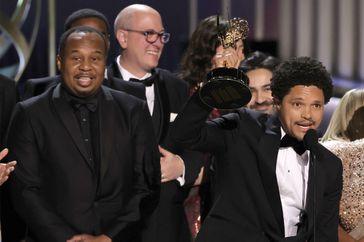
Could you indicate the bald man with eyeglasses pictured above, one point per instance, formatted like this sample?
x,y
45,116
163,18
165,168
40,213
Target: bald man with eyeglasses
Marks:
x,y
141,35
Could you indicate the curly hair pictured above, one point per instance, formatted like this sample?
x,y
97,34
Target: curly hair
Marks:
x,y
300,71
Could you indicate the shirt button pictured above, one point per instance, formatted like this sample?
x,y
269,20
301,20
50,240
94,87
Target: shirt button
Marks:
x,y
86,140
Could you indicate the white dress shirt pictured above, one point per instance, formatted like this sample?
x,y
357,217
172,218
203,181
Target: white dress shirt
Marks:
x,y
292,177
149,91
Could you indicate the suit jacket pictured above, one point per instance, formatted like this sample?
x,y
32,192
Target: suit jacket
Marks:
x,y
247,206
171,93
12,228
55,188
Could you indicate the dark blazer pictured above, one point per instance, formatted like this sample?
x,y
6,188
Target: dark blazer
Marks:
x,y
55,188
12,228
171,93
247,206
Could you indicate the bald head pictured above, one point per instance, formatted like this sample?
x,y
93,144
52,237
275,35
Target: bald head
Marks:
x,y
131,13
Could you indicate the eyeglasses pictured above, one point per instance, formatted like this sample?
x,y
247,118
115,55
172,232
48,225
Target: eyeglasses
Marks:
x,y
152,36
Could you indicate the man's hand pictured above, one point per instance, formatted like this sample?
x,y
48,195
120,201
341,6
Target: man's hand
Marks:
x,y
172,165
5,168
89,238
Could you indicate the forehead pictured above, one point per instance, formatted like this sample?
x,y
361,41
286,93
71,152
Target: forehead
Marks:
x,y
147,20
85,40
305,93
259,76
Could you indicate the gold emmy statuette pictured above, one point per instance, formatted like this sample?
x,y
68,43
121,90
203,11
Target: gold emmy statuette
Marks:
x,y
227,88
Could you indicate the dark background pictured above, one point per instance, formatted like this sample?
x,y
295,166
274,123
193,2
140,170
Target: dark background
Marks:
x,y
175,15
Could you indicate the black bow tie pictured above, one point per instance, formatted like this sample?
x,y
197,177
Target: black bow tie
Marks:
x,y
90,104
289,141
147,81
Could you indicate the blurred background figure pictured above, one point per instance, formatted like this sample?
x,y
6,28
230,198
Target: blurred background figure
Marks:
x,y
345,138
259,67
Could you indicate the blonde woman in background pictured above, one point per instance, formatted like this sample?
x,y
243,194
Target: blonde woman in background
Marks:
x,y
345,138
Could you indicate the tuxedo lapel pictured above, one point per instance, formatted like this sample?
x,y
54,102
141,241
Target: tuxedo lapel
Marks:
x,y
267,152
107,128
69,120
113,70
161,98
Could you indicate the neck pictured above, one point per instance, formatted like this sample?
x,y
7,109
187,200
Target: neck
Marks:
x,y
134,70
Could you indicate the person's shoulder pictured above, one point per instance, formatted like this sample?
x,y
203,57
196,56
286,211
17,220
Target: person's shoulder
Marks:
x,y
336,146
6,81
256,116
34,104
170,78
121,96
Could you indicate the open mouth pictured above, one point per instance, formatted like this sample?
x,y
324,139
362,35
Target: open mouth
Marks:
x,y
305,126
84,80
153,52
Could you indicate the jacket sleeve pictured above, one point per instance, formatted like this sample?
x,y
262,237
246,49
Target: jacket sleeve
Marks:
x,y
191,130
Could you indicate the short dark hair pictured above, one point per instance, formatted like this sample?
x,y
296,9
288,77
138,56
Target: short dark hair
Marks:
x,y
300,71
258,59
78,29
85,13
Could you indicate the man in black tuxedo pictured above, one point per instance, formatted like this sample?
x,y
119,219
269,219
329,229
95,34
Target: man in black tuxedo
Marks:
x,y
86,156
268,193
141,36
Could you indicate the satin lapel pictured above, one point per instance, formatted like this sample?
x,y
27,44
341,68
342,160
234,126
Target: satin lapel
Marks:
x,y
69,120
107,128
161,94
113,70
267,152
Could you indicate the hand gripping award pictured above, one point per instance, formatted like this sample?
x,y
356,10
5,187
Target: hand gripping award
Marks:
x,y
227,86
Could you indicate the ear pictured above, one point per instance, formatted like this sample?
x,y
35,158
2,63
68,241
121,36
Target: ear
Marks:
x,y
122,37
58,61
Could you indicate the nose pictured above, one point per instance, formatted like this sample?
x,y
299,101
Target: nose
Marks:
x,y
306,113
259,97
85,65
